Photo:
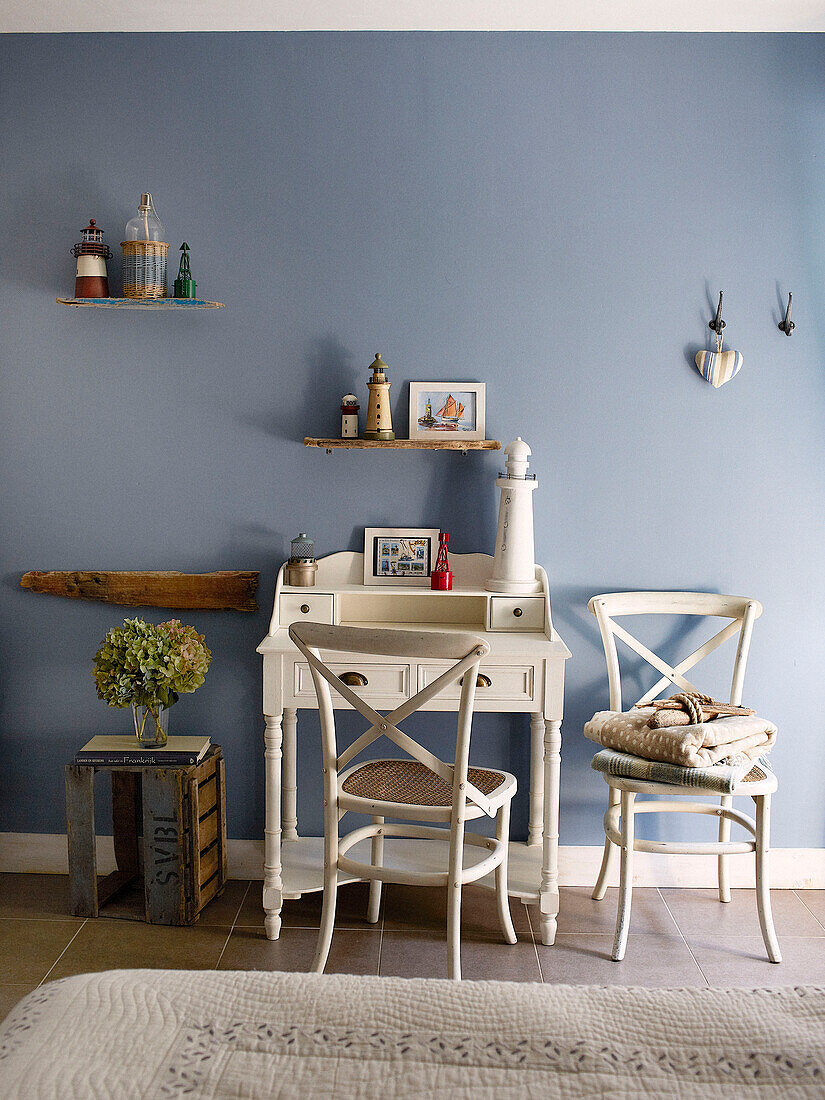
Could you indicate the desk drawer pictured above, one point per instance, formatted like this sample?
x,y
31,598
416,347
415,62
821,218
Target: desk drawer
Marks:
x,y
316,607
517,613
508,683
383,681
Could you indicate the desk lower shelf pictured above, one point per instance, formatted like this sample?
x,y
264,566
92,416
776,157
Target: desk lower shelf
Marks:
x,y
303,864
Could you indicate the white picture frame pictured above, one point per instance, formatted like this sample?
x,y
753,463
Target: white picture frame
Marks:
x,y
400,555
457,410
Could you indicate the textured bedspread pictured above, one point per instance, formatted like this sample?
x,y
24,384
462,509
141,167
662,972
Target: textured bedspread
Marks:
x,y
146,1034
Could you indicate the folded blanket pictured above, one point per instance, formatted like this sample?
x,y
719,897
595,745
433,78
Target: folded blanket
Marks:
x,y
721,778
738,739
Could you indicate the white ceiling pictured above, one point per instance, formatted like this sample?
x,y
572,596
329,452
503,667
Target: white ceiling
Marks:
x,y
438,15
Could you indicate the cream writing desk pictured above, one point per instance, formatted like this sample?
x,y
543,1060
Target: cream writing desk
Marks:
x,y
523,673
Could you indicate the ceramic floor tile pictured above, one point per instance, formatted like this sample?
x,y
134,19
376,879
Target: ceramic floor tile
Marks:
x,y
579,913
423,954
29,948
10,994
651,960
742,961
700,911
305,912
814,900
35,896
222,911
118,944
352,952
425,907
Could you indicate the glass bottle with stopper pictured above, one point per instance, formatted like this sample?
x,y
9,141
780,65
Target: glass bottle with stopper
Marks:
x,y
379,418
144,253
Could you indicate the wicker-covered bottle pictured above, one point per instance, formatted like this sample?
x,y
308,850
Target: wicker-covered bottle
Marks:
x,y
144,253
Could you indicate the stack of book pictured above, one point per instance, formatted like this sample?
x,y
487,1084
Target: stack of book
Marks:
x,y
108,752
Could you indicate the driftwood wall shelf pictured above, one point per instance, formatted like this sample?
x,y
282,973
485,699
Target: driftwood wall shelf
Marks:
x,y
227,590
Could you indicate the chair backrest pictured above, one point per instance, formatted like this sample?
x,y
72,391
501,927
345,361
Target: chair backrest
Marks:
x,y
464,650
742,612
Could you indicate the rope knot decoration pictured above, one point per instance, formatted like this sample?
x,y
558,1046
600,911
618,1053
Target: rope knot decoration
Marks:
x,y
689,708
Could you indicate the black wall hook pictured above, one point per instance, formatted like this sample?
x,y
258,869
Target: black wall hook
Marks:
x,y
786,325
717,324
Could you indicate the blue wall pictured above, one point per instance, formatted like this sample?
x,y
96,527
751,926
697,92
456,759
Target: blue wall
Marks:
x,y
552,214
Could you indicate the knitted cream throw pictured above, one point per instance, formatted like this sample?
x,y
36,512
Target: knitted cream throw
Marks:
x,y
745,737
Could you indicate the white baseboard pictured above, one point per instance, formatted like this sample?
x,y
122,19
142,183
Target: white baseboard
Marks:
x,y
791,868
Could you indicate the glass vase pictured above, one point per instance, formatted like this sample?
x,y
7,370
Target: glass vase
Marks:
x,y
151,725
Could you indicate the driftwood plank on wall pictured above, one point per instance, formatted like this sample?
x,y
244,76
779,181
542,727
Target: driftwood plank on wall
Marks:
x,y
226,590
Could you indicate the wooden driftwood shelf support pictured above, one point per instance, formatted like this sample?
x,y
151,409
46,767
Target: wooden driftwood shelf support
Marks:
x,y
227,590
461,445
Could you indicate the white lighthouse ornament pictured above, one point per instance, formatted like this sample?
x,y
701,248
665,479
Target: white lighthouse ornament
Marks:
x,y
514,564
379,418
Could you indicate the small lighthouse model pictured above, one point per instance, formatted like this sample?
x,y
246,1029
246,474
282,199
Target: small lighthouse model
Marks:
x,y
514,566
349,416
379,419
91,277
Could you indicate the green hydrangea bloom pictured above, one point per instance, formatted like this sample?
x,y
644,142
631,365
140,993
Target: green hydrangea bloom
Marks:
x,y
150,665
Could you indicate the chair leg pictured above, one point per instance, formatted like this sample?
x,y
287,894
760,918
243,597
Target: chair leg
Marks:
x,y
763,880
625,876
600,889
502,896
327,917
454,930
377,860
723,860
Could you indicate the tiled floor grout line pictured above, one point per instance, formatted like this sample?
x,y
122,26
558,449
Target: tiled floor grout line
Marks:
x,y
381,935
62,953
234,922
682,936
533,938
813,914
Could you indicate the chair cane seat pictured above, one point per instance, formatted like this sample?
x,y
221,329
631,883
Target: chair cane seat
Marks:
x,y
409,782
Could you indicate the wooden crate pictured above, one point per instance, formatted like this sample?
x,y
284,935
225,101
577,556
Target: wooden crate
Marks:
x,y
181,812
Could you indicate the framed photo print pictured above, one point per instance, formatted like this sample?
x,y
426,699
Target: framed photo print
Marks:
x,y
447,410
399,555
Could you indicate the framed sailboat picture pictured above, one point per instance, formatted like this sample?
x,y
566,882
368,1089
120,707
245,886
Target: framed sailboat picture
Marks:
x,y
447,410
399,555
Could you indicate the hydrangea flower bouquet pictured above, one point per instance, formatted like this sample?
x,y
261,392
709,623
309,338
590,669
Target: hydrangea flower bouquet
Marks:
x,y
148,667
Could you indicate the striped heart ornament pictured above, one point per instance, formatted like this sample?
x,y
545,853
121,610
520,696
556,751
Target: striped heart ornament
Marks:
x,y
718,367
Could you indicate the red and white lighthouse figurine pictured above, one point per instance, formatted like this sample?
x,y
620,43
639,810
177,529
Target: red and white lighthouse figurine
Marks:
x,y
91,277
441,579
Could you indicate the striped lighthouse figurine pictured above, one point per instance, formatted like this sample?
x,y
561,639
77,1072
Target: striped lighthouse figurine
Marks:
x,y
91,277
379,419
514,565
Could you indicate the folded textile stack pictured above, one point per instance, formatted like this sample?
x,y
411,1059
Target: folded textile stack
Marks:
x,y
714,754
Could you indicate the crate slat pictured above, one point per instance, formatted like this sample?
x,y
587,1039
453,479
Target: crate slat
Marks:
x,y
210,861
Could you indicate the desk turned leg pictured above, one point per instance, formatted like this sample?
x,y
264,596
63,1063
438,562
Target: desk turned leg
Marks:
x,y
290,789
549,889
273,880
535,828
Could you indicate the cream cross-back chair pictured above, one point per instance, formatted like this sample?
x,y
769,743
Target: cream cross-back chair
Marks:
x,y
421,789
759,784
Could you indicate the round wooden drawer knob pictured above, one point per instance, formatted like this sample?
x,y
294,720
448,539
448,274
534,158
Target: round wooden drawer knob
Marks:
x,y
517,612
304,608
